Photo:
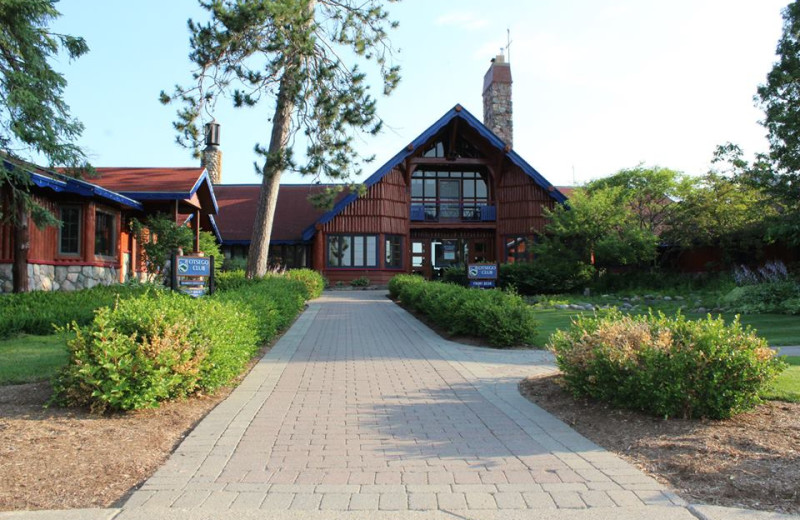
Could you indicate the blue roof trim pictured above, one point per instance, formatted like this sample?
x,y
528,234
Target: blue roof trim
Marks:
x,y
215,228
63,184
457,111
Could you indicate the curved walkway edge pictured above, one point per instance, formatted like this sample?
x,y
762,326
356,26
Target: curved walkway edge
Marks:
x,y
361,412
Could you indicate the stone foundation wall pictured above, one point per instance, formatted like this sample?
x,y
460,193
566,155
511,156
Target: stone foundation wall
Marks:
x,y
60,277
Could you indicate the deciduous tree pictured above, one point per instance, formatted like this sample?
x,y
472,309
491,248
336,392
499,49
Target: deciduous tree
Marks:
x,y
35,123
292,53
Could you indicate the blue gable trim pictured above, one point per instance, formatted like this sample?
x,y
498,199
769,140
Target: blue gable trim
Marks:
x,y
217,234
456,112
64,184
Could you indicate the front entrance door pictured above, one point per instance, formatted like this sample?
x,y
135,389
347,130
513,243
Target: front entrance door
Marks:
x,y
431,254
420,257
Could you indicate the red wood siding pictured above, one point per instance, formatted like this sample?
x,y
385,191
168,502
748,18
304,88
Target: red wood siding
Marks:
x,y
520,203
383,209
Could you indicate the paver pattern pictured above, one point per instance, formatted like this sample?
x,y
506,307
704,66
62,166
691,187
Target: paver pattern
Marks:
x,y
360,407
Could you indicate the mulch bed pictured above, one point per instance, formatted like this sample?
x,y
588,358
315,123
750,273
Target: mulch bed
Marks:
x,y
751,460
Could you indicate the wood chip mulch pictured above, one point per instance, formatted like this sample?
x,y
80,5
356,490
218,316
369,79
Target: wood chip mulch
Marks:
x,y
751,460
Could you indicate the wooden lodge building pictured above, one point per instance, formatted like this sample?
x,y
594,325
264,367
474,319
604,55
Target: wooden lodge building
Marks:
x,y
458,193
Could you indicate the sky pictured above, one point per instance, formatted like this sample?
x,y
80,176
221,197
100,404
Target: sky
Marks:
x,y
598,85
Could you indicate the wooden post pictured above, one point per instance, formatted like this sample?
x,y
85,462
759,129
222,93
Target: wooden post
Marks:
x,y
196,228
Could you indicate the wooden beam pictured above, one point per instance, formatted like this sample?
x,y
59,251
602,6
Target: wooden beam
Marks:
x,y
451,150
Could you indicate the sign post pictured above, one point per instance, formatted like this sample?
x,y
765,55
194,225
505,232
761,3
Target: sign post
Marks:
x,y
193,275
482,276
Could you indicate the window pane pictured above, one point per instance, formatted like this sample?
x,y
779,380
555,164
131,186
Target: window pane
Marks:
x,y
334,254
69,241
104,234
416,188
358,251
372,251
345,247
480,189
469,188
417,247
430,188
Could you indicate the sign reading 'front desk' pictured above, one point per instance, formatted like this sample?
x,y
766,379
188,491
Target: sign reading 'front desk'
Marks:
x,y
483,276
194,275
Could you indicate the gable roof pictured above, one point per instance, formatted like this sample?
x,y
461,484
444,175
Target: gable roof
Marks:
x,y
457,112
64,184
238,204
157,183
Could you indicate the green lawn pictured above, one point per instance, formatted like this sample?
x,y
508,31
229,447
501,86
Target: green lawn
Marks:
x,y
787,386
778,329
27,358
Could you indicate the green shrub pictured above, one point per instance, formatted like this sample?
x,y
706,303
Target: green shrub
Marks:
x,y
229,280
768,297
38,312
158,346
312,280
501,318
401,281
234,264
163,345
361,281
670,367
456,274
539,277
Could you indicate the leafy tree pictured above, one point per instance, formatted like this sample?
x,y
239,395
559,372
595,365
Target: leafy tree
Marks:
x,y
34,120
648,193
780,99
290,51
597,227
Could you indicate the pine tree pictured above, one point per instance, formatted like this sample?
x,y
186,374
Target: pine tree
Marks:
x,y
34,120
289,51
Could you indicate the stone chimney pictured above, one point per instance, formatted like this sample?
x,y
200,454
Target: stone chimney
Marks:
x,y
211,159
497,100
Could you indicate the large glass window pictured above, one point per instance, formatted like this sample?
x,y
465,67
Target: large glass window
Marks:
x,y
104,229
353,251
449,195
69,235
394,252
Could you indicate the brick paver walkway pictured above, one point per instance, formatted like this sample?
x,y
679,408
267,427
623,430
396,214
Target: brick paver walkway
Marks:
x,y
361,407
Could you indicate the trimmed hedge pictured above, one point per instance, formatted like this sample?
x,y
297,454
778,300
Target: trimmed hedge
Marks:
x,y
38,312
312,280
669,367
501,318
164,345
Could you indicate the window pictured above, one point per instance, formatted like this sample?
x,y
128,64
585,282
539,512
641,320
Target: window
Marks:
x,y
517,249
353,251
393,252
69,235
104,240
448,195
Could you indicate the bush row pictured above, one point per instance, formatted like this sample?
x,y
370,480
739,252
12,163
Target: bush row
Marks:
x,y
38,312
164,345
501,318
530,278
669,367
781,297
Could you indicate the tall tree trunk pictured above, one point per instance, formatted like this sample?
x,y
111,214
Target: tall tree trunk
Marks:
x,y
257,258
22,243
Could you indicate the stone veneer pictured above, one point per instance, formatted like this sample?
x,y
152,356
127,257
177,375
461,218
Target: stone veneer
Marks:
x,y
60,277
497,109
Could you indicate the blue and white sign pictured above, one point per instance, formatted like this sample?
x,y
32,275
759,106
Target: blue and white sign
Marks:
x,y
194,266
482,271
482,284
